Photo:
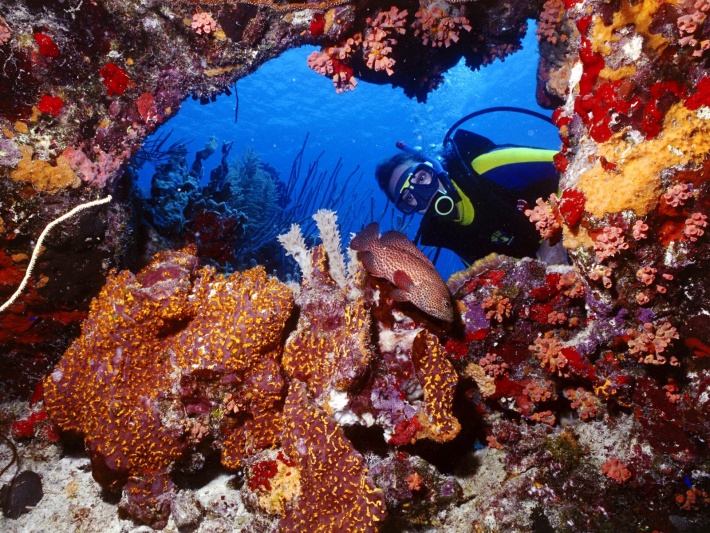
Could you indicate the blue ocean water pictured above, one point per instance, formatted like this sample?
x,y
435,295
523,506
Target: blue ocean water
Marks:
x,y
284,101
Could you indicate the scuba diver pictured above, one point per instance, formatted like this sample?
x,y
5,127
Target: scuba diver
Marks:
x,y
476,205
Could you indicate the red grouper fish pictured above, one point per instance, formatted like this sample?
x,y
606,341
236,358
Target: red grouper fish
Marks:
x,y
394,257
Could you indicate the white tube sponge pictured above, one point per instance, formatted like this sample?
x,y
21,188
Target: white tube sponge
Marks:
x,y
327,222
295,246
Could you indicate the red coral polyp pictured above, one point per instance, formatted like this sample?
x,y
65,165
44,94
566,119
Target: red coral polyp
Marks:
x,y
261,474
597,109
701,96
47,46
571,206
52,105
593,62
663,95
114,79
405,432
317,25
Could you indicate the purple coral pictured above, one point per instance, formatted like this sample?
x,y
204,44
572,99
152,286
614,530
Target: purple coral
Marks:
x,y
10,154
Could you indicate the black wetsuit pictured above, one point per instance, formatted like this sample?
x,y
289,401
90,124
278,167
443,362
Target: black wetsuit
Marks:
x,y
499,224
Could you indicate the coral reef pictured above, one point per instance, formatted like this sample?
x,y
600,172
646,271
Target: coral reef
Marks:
x,y
176,364
438,33
565,398
83,86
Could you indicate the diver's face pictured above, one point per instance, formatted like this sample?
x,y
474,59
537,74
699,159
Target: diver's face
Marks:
x,y
413,187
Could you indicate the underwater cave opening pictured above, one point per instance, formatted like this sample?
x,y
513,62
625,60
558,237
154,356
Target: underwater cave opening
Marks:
x,y
285,104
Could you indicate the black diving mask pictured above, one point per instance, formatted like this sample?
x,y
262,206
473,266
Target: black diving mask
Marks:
x,y
416,187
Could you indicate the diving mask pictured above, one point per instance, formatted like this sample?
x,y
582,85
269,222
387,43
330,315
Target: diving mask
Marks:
x,y
416,187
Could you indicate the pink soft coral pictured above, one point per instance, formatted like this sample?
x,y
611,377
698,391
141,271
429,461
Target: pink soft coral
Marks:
x,y
549,352
203,22
545,217
649,342
694,226
376,49
646,274
691,25
678,194
640,230
610,242
616,470
437,28
321,63
378,41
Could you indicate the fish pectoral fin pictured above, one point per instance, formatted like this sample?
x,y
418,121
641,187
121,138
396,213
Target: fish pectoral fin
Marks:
x,y
368,261
402,280
398,295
